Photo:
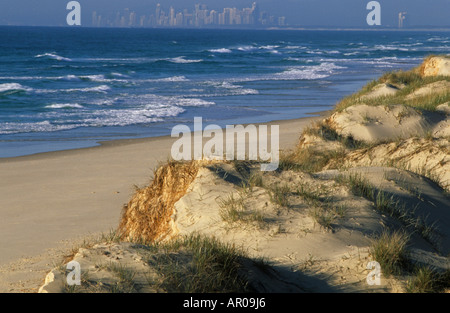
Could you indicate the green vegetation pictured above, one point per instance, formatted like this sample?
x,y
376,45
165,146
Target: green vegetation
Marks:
x,y
88,242
326,132
407,82
233,211
279,195
125,276
387,204
190,264
309,160
197,264
427,280
389,249
324,211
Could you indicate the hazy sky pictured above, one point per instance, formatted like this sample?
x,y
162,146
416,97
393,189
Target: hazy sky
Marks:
x,y
336,13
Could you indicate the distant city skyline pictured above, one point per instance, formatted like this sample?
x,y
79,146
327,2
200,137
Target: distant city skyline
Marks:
x,y
199,16
296,13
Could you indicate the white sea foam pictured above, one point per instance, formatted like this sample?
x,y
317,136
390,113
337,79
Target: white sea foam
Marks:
x,y
21,77
157,100
191,102
221,50
119,75
43,126
391,48
299,74
69,77
98,118
294,47
269,47
64,106
246,48
314,52
131,116
182,60
13,87
94,78
103,79
53,56
309,72
237,90
172,79
104,101
101,89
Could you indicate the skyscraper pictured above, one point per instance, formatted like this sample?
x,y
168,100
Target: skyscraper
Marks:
x,y
198,16
255,13
172,17
401,19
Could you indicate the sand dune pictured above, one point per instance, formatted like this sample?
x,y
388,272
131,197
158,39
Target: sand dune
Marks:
x,y
367,183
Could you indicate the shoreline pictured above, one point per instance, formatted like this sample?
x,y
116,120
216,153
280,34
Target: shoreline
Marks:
x,y
121,142
53,198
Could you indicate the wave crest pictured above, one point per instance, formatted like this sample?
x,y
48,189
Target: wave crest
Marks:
x,y
53,56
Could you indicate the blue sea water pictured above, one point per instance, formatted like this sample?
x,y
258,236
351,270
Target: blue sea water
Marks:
x,y
63,88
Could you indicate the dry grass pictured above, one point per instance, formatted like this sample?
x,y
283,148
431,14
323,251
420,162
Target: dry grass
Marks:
x,y
389,249
310,160
198,264
89,242
280,195
428,280
386,203
234,211
147,215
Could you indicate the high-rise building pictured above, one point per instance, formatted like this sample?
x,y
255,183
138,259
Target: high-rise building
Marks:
x,y
94,19
132,19
179,19
142,21
198,16
256,15
172,17
401,19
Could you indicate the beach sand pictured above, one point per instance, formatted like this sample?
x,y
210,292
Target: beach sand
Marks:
x,y
51,201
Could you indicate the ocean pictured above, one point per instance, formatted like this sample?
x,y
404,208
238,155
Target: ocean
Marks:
x,y
66,88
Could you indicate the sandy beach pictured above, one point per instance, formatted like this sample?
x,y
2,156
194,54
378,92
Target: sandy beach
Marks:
x,y
365,186
366,183
49,201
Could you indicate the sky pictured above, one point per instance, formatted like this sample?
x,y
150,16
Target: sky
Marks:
x,y
324,13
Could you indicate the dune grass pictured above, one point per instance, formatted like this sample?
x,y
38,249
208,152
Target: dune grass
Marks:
x,y
88,242
309,160
189,264
280,195
198,264
407,82
389,249
323,210
234,211
387,204
427,280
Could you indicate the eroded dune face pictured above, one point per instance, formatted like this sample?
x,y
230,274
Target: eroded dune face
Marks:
x,y
436,66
